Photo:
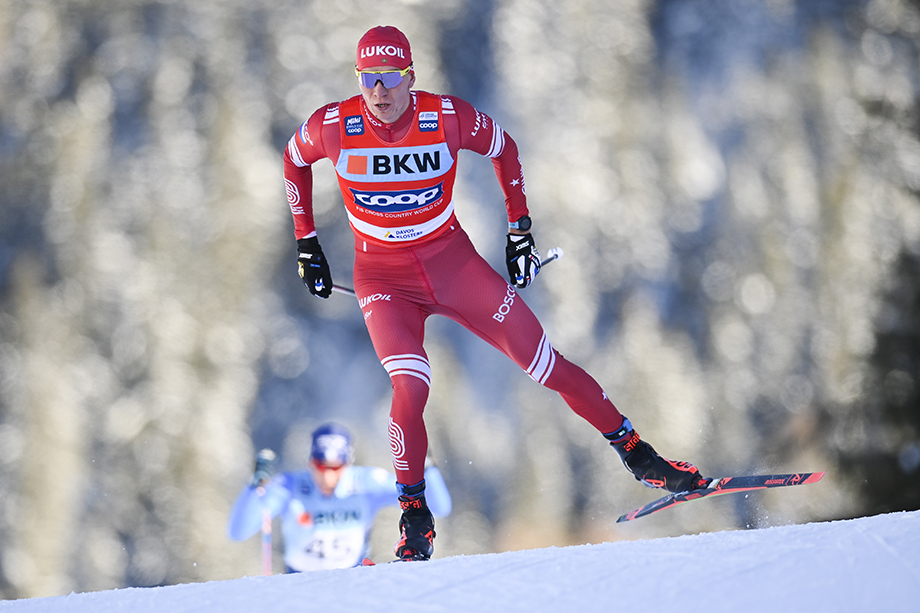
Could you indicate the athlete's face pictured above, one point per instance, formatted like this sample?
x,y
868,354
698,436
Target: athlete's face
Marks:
x,y
388,105
326,477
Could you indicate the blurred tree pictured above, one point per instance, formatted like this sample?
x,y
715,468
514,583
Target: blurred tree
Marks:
x,y
885,464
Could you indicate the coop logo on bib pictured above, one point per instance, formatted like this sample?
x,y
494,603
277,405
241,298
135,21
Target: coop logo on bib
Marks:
x,y
354,125
428,121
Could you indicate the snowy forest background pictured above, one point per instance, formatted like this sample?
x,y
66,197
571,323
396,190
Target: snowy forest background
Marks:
x,y
736,186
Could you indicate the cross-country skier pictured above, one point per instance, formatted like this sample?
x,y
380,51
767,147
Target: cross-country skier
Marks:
x,y
394,150
327,511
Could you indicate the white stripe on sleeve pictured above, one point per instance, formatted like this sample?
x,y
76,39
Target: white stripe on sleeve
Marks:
x,y
294,152
498,141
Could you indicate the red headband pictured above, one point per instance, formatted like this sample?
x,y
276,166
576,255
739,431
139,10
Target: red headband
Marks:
x,y
383,46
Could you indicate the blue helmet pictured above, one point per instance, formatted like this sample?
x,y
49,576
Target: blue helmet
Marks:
x,y
332,445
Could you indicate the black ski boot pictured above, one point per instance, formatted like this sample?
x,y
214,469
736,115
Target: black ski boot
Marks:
x,y
416,526
651,469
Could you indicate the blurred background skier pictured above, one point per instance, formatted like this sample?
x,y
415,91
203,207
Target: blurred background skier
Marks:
x,y
328,510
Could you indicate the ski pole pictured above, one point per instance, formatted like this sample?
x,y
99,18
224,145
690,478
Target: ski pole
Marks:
x,y
344,290
266,541
555,253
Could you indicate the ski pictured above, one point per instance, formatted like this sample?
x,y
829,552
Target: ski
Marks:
x,y
369,562
725,485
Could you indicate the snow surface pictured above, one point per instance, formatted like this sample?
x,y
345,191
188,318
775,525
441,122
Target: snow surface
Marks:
x,y
866,564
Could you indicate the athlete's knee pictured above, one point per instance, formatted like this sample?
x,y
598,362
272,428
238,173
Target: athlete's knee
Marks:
x,y
409,365
410,376
543,362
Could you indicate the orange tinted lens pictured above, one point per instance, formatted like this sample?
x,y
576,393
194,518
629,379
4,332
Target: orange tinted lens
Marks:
x,y
325,467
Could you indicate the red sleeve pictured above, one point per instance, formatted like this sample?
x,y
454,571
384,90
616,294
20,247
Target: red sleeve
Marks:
x,y
478,132
312,142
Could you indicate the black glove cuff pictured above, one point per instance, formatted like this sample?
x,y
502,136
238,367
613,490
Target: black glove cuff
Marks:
x,y
520,243
309,245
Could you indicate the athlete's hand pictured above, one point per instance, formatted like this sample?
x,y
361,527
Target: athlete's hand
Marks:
x,y
522,258
265,468
313,267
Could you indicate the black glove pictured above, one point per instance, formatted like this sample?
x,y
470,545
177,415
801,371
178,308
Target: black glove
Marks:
x,y
265,468
313,267
522,258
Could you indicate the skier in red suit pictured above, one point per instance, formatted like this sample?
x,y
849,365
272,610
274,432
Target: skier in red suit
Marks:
x,y
394,150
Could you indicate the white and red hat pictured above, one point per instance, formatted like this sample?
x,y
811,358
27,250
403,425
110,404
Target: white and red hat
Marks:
x,y
383,46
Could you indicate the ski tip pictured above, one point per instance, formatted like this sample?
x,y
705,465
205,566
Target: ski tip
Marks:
x,y
368,562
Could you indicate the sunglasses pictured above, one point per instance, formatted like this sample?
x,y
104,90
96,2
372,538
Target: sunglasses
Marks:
x,y
389,78
324,467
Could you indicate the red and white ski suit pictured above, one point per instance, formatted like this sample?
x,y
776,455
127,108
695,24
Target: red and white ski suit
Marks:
x,y
412,258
